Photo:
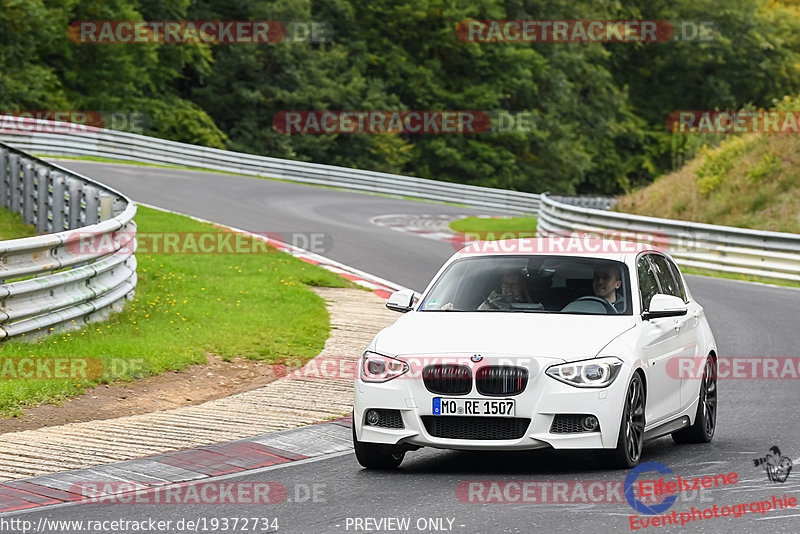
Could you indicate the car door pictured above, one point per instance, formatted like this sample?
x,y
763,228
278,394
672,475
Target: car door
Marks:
x,y
688,330
659,341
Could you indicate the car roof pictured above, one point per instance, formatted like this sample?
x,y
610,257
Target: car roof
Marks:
x,y
588,247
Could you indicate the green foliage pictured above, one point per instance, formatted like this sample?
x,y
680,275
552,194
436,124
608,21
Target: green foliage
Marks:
x,y
599,108
718,163
13,227
769,164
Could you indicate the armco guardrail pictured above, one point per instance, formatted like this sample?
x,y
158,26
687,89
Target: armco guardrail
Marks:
x,y
773,255
64,276
718,248
123,145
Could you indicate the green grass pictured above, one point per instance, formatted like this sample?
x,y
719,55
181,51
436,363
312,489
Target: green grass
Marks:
x,y
99,159
742,277
187,306
12,227
491,229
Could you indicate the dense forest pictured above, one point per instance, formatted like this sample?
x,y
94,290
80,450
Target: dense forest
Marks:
x,y
598,109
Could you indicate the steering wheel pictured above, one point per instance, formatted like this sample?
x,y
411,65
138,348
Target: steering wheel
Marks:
x,y
608,306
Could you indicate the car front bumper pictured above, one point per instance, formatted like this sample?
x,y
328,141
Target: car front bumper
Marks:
x,y
542,400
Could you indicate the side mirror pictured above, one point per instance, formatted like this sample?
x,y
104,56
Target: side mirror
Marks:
x,y
665,306
401,301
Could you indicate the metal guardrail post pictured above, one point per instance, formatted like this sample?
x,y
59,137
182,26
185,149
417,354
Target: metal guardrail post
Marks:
x,y
12,199
92,205
42,196
106,207
28,193
74,203
4,173
58,202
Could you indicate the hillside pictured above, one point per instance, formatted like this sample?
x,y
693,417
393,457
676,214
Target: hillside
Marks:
x,y
750,181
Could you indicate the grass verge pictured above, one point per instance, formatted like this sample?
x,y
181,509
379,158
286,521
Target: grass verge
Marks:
x,y
491,229
186,306
12,227
742,277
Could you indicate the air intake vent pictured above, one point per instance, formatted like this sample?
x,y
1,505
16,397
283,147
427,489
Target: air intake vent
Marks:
x,y
501,381
478,428
573,424
386,419
447,379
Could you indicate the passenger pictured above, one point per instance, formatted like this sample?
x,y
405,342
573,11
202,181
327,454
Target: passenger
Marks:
x,y
512,289
606,283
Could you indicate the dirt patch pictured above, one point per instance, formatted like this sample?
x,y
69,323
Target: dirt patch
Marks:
x,y
194,385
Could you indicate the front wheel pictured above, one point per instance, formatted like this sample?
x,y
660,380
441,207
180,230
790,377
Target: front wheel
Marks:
x,y
376,455
705,420
630,440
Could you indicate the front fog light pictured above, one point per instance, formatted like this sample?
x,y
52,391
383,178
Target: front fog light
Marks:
x,y
373,417
589,423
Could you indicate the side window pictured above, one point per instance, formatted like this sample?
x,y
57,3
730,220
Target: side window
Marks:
x,y
665,277
647,281
678,280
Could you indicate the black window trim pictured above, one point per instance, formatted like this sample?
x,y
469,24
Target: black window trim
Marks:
x,y
678,275
672,267
646,255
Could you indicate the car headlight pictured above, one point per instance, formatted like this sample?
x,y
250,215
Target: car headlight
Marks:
x,y
596,373
378,368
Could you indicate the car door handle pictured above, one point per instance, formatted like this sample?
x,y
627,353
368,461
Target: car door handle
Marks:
x,y
677,325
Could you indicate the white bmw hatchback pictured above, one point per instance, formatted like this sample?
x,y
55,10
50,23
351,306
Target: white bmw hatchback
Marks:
x,y
534,343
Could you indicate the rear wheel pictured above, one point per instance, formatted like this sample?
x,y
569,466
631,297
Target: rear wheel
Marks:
x,y
376,455
705,420
630,441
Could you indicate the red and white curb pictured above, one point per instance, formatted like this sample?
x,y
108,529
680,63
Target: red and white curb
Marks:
x,y
121,482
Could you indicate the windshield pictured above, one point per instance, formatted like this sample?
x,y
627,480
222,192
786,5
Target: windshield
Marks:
x,y
535,284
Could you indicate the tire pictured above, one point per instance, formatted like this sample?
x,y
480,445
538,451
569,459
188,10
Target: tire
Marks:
x,y
376,455
630,440
705,420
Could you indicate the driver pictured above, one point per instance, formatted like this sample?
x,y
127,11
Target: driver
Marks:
x,y
512,289
606,282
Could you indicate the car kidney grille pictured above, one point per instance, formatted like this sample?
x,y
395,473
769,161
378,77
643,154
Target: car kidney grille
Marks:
x,y
499,380
447,379
478,428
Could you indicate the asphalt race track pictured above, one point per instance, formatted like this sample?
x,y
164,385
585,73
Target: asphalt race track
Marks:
x,y
749,320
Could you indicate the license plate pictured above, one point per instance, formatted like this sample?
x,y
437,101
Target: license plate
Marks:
x,y
479,407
